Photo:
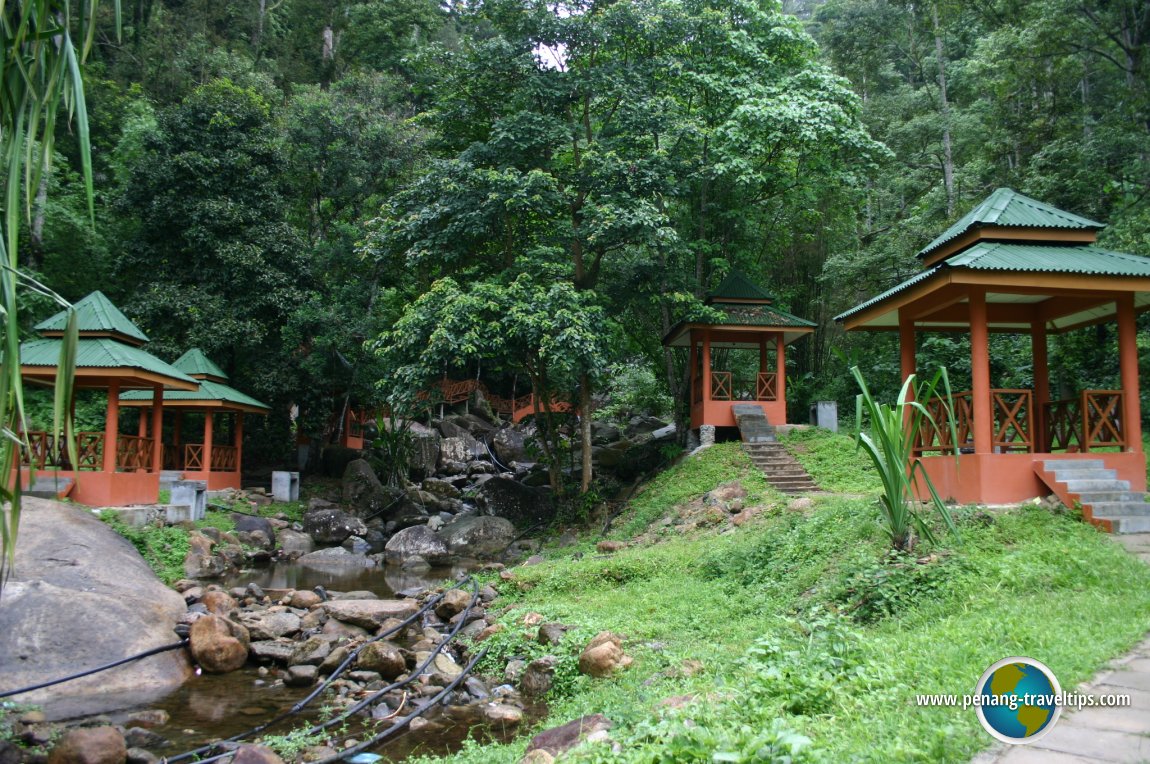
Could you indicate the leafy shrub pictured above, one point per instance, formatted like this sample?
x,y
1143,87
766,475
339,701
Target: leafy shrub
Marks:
x,y
633,390
897,582
809,674
163,548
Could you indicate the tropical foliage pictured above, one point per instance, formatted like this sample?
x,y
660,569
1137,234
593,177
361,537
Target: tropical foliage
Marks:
x,y
39,74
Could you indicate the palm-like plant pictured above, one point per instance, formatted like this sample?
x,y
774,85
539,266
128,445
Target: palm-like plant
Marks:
x,y
889,441
39,75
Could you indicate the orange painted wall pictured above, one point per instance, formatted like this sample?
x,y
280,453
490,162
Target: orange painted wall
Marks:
x,y
719,413
217,481
102,489
1010,478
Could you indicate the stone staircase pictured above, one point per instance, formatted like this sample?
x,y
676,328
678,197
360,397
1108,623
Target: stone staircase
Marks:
x,y
1106,501
776,463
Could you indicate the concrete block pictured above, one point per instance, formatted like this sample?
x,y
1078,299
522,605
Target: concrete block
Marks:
x,y
192,494
825,414
285,486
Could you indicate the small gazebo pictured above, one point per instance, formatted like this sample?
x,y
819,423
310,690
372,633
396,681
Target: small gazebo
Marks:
x,y
111,468
748,321
203,458
1016,265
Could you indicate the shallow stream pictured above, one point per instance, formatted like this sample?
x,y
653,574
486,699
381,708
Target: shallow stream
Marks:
x,y
211,707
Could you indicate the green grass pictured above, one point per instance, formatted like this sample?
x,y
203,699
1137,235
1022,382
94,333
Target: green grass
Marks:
x,y
814,639
832,461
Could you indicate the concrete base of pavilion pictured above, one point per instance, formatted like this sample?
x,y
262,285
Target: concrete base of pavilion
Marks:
x,y
721,413
1011,478
217,481
102,489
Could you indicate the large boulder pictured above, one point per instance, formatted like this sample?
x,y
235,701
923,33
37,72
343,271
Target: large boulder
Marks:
x,y
558,740
460,448
71,569
510,445
332,526
416,541
90,745
478,536
363,493
424,452
218,644
522,505
294,542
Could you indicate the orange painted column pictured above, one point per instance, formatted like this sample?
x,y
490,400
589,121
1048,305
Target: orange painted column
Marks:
x,y
706,365
207,441
781,373
694,367
239,442
1128,363
906,350
112,427
143,428
980,372
158,429
1041,385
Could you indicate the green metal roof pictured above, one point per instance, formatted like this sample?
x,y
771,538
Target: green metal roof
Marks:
x,y
742,314
1009,208
95,313
209,391
195,362
736,286
1026,258
99,353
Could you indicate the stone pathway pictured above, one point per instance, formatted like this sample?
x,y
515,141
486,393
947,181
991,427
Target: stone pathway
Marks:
x,y
1095,735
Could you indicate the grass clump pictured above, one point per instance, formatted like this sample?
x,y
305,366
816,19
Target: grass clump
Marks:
x,y
162,547
832,461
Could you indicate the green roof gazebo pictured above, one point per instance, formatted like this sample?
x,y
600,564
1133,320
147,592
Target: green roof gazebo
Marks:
x,y
218,463
748,321
111,468
1017,265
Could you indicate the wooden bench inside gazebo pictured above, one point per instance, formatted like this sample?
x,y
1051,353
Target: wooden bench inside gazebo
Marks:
x,y
1017,265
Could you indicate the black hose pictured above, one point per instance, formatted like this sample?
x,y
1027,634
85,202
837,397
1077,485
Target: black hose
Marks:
x,y
320,688
105,667
439,696
351,710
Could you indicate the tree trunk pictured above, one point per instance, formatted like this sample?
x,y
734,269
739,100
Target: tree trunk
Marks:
x,y
35,249
585,429
947,154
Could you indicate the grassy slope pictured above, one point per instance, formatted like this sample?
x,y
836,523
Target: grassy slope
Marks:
x,y
804,626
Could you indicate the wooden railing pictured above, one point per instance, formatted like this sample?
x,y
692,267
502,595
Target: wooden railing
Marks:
x,y
724,387
132,452
451,391
1012,423
1092,420
224,458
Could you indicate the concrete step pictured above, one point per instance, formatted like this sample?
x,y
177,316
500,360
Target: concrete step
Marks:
x,y
1129,524
1084,486
1063,476
45,487
1119,508
1059,465
1093,497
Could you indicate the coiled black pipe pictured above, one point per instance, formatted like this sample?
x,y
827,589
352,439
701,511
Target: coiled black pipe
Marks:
x,y
98,669
323,685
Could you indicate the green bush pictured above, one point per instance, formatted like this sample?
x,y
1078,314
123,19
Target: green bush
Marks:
x,y
163,548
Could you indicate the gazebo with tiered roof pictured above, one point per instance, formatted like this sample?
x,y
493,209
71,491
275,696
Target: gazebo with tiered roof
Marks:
x,y
747,321
111,468
1016,265
218,463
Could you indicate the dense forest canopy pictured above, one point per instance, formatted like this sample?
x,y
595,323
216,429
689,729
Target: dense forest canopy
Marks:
x,y
345,200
